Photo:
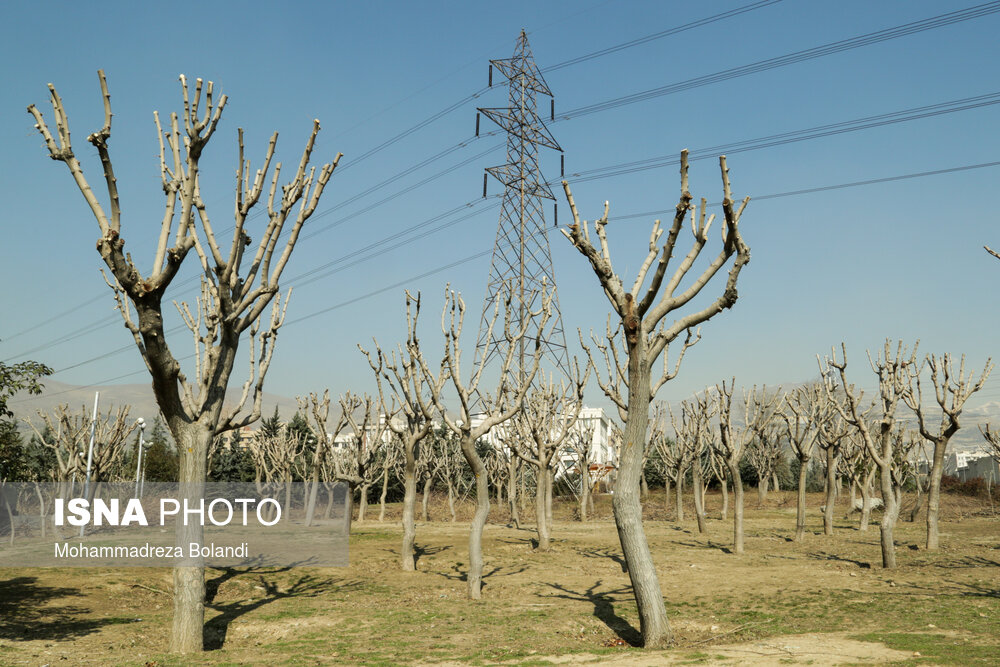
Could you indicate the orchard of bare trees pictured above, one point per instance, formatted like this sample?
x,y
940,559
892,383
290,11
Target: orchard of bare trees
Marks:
x,y
437,421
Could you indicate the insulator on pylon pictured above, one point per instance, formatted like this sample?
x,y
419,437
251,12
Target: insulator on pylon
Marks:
x,y
484,186
552,110
477,124
555,215
562,165
491,75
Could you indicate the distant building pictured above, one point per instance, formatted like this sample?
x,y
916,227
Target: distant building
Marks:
x,y
972,465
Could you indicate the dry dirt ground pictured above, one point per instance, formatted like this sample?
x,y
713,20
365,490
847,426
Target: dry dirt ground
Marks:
x,y
825,601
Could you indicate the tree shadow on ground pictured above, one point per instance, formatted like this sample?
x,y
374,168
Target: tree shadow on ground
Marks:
x,y
823,555
306,586
605,553
976,589
420,551
604,608
459,574
27,611
711,544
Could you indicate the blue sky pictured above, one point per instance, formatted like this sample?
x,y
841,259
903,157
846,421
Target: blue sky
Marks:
x,y
894,259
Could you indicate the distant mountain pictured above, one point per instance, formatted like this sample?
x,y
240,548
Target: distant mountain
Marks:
x,y
139,396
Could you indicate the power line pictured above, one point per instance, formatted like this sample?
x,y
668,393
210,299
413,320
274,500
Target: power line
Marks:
x,y
770,141
944,19
790,58
658,35
790,193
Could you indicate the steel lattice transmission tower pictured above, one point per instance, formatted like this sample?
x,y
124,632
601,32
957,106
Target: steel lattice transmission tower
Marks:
x,y
522,261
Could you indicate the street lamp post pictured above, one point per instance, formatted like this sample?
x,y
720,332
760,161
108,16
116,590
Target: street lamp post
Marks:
x,y
138,453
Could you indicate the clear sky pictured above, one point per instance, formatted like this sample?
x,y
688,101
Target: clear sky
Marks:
x,y
900,258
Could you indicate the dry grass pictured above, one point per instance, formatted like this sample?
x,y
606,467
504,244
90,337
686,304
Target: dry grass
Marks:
x,y
822,601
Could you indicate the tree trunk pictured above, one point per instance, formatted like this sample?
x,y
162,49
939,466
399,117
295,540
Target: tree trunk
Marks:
x,y
643,487
725,498
934,494
409,509
918,503
584,490
329,500
349,509
774,481
549,483
653,623
475,579
831,491
426,496
513,465
866,500
666,493
187,635
762,489
737,481
678,495
385,491
451,500
541,520
800,512
699,499
890,511
363,504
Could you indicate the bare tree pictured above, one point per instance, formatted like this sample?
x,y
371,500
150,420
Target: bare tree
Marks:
x,y
319,410
694,432
806,411
495,409
764,450
356,464
230,304
759,411
893,371
70,438
993,440
275,457
409,399
536,433
832,433
579,446
951,393
646,335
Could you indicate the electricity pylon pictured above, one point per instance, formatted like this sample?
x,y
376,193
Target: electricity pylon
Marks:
x,y
522,262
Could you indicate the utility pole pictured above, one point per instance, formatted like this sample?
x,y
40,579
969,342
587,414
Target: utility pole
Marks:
x,y
522,262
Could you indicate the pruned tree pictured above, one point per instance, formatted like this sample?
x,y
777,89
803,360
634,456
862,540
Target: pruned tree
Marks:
x,y
71,431
645,336
693,433
325,433
759,410
536,433
275,457
951,392
992,441
859,468
356,463
765,449
579,446
409,398
494,409
833,432
234,296
805,412
893,371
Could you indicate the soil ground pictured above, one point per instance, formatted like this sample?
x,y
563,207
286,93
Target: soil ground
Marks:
x,y
824,601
